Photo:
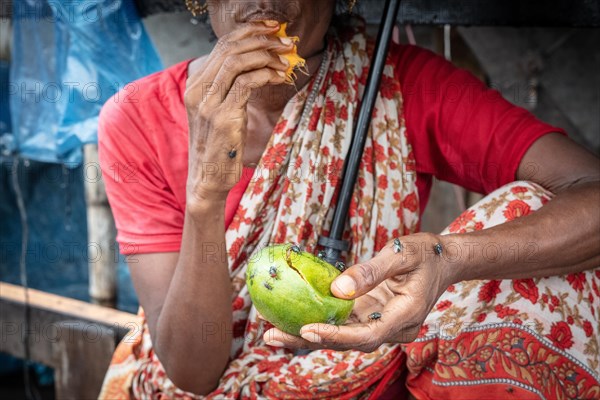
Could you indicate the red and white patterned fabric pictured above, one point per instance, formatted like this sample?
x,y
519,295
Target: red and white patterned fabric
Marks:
x,y
291,199
521,338
528,338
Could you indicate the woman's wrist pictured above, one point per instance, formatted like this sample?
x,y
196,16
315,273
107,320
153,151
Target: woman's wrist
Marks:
x,y
459,257
201,204
433,250
482,255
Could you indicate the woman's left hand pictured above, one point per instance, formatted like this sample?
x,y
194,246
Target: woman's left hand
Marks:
x,y
403,287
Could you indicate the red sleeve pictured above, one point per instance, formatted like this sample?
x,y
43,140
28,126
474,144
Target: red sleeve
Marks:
x,y
461,131
147,214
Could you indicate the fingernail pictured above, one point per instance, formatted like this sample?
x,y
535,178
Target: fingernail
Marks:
x,y
270,22
287,41
284,60
311,337
275,343
345,285
281,74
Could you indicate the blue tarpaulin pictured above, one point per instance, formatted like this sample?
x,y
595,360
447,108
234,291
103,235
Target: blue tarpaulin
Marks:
x,y
68,58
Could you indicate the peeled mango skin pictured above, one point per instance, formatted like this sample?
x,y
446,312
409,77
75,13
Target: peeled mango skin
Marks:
x,y
291,289
293,58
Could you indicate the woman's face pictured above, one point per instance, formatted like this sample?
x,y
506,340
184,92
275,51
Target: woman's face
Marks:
x,y
308,19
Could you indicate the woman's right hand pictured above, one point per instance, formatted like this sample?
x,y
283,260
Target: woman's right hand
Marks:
x,y
215,99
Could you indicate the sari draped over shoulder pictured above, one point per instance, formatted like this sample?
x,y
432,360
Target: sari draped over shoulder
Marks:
x,y
291,198
512,338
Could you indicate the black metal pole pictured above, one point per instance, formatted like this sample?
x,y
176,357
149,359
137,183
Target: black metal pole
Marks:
x,y
334,245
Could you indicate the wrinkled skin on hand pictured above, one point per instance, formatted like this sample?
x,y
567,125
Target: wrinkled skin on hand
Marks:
x,y
403,287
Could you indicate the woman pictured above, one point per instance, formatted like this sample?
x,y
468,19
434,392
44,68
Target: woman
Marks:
x,y
471,309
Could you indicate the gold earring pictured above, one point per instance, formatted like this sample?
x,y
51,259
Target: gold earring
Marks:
x,y
351,4
195,7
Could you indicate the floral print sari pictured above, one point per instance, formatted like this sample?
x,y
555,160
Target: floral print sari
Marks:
x,y
528,338
291,198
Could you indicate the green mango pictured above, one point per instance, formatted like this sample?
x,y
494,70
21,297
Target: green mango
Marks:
x,y
290,288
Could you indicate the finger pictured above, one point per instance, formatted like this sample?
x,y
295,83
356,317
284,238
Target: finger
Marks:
x,y
241,90
259,40
276,338
235,65
213,65
212,92
363,277
366,337
399,322
252,28
201,86
250,38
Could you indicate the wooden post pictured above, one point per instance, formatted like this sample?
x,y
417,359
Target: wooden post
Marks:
x,y
82,353
75,338
102,254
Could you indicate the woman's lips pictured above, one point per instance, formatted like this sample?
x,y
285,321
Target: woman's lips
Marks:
x,y
263,15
